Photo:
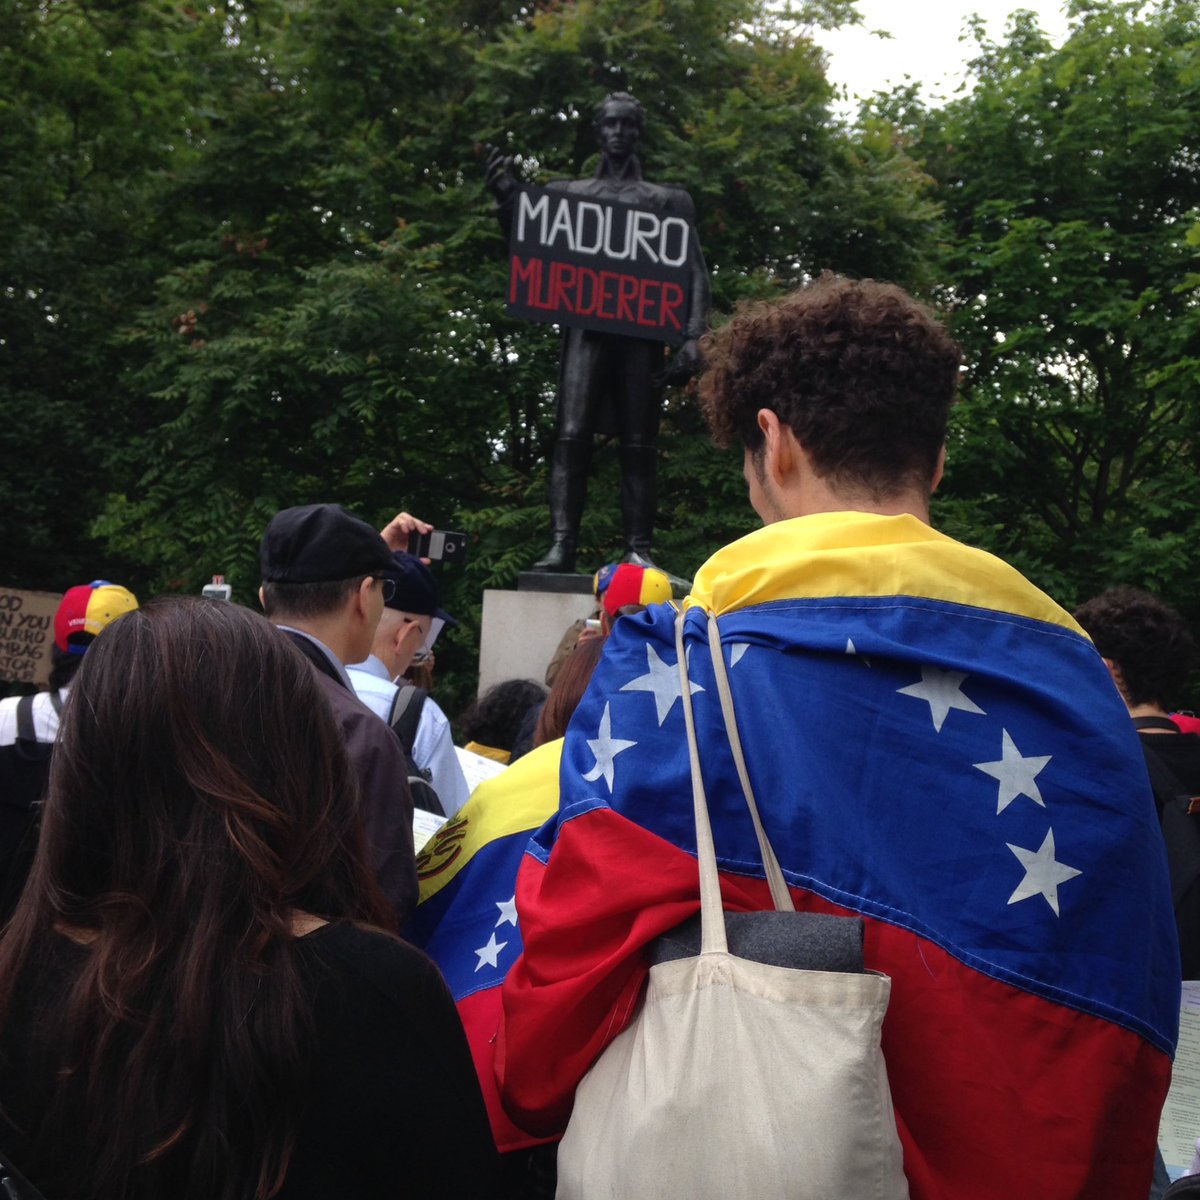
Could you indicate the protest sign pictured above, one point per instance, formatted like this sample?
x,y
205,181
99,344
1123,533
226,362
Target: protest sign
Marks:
x,y
26,634
600,264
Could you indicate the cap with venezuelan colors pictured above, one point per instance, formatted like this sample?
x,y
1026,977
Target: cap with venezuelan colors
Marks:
x,y
86,610
619,584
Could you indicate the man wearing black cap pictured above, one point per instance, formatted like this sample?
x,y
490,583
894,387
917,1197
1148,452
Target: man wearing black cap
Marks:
x,y
411,619
324,584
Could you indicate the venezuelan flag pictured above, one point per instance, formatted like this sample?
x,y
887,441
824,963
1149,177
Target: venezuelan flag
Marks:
x,y
466,917
936,747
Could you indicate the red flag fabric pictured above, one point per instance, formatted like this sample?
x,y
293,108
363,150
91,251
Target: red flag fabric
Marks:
x,y
935,747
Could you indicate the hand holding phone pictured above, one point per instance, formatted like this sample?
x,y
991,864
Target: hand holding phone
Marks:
x,y
438,545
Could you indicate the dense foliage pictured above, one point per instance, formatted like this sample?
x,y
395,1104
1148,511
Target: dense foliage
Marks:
x,y
1070,181
247,260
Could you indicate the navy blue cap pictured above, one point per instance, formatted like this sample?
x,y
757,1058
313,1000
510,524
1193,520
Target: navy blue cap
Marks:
x,y
416,588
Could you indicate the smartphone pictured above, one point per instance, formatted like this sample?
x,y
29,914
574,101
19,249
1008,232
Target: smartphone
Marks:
x,y
440,545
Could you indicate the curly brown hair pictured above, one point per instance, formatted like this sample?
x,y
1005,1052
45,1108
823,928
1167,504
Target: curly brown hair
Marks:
x,y
861,372
1147,639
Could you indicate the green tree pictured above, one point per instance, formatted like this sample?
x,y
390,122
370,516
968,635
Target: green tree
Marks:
x,y
92,103
252,261
1071,181
328,322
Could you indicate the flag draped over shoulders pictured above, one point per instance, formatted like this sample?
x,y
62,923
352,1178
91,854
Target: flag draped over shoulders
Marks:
x,y
935,746
466,918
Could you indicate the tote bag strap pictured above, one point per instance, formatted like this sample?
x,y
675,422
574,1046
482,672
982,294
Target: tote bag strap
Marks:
x,y
775,881
712,916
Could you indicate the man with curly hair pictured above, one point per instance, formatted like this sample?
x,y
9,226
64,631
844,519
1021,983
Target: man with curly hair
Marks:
x,y
1149,650
910,713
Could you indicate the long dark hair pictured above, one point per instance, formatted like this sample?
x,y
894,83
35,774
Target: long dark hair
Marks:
x,y
200,796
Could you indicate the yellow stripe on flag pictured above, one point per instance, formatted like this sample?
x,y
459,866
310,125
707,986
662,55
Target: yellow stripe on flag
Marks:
x,y
863,554
520,799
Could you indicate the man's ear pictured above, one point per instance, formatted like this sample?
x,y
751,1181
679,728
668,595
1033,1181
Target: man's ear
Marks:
x,y
408,634
939,470
779,450
262,599
362,603
1118,677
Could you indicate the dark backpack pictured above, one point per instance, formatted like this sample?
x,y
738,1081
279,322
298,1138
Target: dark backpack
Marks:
x,y
404,718
406,714
26,764
1178,811
24,772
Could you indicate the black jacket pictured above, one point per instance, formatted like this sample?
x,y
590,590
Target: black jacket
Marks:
x,y
382,770
1179,754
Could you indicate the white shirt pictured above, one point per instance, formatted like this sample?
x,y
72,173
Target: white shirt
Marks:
x,y
433,745
45,719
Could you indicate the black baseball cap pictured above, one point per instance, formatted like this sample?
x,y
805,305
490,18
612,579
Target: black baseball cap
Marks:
x,y
416,588
321,543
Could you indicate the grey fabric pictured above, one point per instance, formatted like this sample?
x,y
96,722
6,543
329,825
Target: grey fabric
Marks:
x,y
806,941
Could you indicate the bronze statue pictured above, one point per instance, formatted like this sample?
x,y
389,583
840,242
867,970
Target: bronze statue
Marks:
x,y
611,383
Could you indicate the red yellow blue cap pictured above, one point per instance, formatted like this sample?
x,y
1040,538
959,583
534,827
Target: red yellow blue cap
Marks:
x,y
87,609
618,584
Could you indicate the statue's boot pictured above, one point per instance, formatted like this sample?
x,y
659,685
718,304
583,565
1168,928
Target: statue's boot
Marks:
x,y
637,508
637,502
568,491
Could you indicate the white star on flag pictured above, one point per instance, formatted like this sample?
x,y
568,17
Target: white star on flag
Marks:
x,y
508,911
942,691
1042,873
489,955
736,650
851,648
605,748
662,682
1015,774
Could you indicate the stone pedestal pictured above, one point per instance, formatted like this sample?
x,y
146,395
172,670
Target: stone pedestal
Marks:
x,y
521,629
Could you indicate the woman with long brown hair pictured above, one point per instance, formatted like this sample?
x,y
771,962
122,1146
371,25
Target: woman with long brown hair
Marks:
x,y
197,995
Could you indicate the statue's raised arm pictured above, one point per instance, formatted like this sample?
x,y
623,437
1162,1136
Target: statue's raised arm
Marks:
x,y
501,182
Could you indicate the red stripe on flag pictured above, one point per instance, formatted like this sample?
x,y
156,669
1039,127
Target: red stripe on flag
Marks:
x,y
998,1092
480,1016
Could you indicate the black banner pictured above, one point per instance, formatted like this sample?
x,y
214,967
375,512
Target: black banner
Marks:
x,y
599,264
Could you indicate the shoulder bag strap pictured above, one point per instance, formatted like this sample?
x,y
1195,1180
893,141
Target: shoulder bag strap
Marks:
x,y
1155,723
406,713
713,939
25,729
775,880
712,918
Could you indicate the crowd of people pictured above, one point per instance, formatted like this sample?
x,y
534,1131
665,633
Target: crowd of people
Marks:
x,y
227,969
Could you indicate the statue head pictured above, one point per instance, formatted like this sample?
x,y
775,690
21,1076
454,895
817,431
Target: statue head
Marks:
x,y
619,122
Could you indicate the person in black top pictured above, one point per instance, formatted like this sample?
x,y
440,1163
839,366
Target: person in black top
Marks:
x,y
198,995
1150,652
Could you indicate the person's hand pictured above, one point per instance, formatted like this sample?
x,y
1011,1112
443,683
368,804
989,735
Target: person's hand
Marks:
x,y
396,531
687,361
501,182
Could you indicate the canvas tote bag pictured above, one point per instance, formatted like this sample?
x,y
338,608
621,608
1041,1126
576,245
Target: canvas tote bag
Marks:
x,y
737,1080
